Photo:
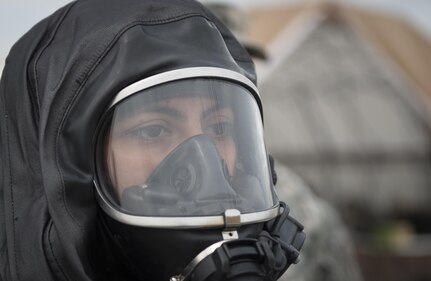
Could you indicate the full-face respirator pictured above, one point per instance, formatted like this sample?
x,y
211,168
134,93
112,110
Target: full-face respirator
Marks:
x,y
185,184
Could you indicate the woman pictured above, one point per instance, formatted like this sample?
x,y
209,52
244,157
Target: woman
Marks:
x,y
132,149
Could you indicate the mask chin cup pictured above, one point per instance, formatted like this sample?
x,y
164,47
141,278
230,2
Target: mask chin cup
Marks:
x,y
192,180
265,258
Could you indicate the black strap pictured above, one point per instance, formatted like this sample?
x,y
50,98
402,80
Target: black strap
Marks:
x,y
265,258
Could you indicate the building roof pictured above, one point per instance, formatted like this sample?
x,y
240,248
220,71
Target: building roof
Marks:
x,y
400,43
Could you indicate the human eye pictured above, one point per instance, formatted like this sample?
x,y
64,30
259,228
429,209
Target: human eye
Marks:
x,y
219,129
148,132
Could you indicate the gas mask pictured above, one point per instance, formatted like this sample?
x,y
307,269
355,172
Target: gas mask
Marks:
x,y
183,178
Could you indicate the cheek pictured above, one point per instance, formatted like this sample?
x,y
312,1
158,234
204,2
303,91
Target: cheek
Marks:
x,y
228,153
127,167
231,161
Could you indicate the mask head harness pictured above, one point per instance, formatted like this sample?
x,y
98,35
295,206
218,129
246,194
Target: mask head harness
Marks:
x,y
180,161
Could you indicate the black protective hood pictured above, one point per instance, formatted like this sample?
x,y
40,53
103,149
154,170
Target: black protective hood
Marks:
x,y
58,80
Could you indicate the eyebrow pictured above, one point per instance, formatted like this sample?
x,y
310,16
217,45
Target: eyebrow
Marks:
x,y
165,110
152,109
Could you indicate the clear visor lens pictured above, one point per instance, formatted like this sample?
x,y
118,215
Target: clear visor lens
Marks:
x,y
185,148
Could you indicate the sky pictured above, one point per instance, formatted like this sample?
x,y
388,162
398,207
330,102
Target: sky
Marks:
x,y
18,16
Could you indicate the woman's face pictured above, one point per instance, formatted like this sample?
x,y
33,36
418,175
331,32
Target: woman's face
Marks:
x,y
141,140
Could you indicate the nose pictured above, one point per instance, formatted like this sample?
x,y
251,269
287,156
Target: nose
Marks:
x,y
193,128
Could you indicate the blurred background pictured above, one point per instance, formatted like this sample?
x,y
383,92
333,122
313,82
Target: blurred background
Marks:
x,y
346,89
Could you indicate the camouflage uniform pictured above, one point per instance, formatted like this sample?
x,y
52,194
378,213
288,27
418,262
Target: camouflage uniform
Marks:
x,y
328,252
